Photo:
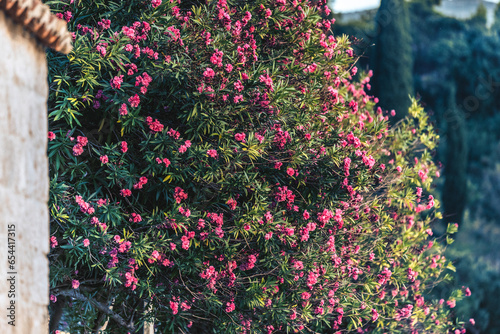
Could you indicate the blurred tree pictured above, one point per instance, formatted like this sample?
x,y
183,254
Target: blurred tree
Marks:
x,y
456,73
479,18
393,63
496,22
455,185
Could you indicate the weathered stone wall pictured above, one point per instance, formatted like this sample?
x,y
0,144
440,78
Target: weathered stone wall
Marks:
x,y
23,178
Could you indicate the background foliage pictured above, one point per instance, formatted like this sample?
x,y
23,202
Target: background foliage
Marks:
x,y
456,75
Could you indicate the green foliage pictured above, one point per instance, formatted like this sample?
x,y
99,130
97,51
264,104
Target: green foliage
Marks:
x,y
216,168
476,264
463,54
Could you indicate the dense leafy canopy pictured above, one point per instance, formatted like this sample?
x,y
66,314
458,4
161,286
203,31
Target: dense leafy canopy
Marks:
x,y
217,168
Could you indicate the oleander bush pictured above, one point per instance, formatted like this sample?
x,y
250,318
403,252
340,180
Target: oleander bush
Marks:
x,y
221,167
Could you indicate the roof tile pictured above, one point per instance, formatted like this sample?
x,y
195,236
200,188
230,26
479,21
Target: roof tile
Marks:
x,y
37,18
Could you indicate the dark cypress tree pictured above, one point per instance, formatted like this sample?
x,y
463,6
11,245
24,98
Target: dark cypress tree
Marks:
x,y
392,61
455,170
496,20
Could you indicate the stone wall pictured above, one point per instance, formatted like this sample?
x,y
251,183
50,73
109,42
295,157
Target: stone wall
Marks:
x,y
23,178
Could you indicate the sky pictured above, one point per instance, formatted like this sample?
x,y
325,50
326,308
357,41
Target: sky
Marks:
x,y
341,6
354,5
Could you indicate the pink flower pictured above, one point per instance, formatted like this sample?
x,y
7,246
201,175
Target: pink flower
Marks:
x,y
75,284
104,159
155,255
143,80
125,192
53,242
51,135
310,68
240,137
184,212
216,58
347,166
185,242
142,181
116,82
123,109
290,171
68,15
155,125
135,218
179,195
238,86
82,140
232,203
267,80
318,310
53,298
174,134
134,101
212,153
368,161
124,146
166,162
155,3
230,307
175,307
238,98
86,242
209,74
104,23
77,150
101,48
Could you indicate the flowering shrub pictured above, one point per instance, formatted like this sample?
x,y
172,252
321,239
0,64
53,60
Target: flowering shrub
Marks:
x,y
218,168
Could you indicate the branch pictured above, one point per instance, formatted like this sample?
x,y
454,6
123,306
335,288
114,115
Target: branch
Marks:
x,y
101,307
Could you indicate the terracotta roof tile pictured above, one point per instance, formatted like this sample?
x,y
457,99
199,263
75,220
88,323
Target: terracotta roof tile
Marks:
x,y
37,18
